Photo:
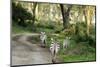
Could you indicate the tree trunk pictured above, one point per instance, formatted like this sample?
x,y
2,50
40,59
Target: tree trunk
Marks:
x,y
33,10
65,15
87,19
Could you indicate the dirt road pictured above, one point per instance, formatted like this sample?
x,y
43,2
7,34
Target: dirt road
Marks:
x,y
25,52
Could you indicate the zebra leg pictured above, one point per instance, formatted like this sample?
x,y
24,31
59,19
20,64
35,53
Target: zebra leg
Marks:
x,y
54,57
44,43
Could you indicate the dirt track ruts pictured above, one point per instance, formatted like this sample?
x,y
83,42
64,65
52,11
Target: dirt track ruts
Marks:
x,y
25,52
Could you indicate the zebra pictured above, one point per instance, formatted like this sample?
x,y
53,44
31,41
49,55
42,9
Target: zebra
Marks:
x,y
54,48
43,38
66,42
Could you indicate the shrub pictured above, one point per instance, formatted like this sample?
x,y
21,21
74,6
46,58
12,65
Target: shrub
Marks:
x,y
92,41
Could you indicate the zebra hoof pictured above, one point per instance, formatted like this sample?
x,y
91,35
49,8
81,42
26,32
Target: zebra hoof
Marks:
x,y
53,61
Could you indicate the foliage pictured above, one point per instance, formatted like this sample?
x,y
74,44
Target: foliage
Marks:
x,y
20,14
19,29
92,40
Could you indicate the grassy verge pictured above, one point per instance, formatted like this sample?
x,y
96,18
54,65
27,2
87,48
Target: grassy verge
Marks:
x,y
78,52
77,58
18,29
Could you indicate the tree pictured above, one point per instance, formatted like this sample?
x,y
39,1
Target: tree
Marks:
x,y
20,14
33,10
65,15
89,14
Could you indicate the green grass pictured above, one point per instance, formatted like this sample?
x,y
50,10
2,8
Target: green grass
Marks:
x,y
77,58
77,52
47,30
18,29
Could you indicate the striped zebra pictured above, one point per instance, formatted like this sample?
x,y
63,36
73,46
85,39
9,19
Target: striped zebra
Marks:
x,y
54,48
43,38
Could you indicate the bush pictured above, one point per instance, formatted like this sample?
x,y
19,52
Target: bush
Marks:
x,y
20,14
45,25
92,41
